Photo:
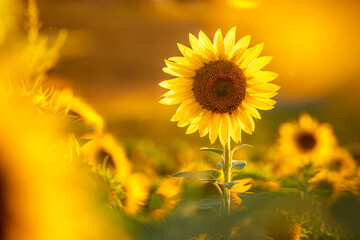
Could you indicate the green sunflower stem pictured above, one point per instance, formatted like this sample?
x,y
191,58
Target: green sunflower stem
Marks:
x,y
227,179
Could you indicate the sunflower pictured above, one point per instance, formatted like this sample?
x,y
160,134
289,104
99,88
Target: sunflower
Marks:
x,y
40,197
307,140
330,184
128,193
220,86
123,188
163,199
87,122
342,162
106,151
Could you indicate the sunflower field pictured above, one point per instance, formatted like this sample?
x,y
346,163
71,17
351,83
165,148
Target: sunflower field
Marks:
x,y
228,138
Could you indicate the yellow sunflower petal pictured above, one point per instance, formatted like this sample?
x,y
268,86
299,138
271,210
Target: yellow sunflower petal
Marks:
x,y
179,69
265,87
229,42
257,64
214,130
255,93
189,54
204,123
219,45
173,101
261,103
240,48
196,45
224,130
240,122
194,125
177,83
250,55
182,61
209,48
263,76
234,128
185,107
248,121
253,111
243,185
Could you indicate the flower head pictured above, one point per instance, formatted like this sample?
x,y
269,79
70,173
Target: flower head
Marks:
x,y
220,86
307,139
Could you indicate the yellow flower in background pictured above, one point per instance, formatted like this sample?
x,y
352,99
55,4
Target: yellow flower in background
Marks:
x,y
87,123
163,199
342,162
242,186
331,184
127,193
136,188
106,150
42,198
282,164
307,140
123,188
219,85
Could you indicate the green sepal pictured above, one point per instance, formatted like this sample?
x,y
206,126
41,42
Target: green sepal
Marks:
x,y
228,185
208,175
214,150
238,147
235,165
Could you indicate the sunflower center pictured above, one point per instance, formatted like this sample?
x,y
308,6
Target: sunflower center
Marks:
x,y
306,141
337,164
220,86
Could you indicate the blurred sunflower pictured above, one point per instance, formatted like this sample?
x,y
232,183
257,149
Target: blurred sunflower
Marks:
x,y
136,187
342,162
107,189
122,188
87,122
331,185
307,140
163,199
282,164
40,197
106,151
220,86
242,186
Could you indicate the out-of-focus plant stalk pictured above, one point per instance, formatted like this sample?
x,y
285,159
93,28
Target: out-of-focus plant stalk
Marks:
x,y
227,179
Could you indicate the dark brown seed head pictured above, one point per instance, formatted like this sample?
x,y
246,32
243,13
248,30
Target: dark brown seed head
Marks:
x,y
220,86
306,141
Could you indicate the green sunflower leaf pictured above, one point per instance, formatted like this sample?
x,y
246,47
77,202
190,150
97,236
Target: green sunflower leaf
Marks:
x,y
228,185
220,164
214,150
210,204
208,175
235,165
239,147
